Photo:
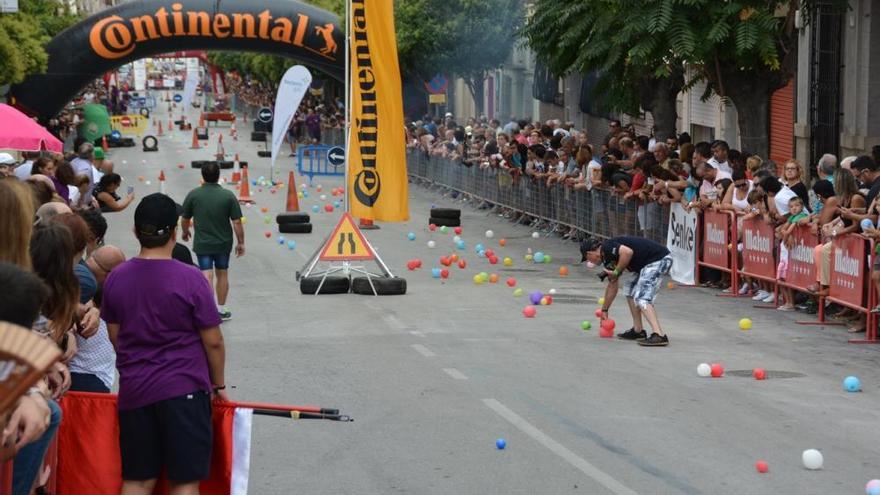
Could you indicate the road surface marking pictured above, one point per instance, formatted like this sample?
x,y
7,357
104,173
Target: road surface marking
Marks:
x,y
454,373
418,333
393,321
557,448
424,351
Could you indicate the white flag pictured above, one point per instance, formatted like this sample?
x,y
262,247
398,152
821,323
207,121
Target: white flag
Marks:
x,y
293,87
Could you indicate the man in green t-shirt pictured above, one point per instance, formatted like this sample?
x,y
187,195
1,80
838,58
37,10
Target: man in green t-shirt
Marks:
x,y
217,214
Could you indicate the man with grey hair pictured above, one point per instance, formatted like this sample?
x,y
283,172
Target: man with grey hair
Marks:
x,y
826,167
82,165
47,211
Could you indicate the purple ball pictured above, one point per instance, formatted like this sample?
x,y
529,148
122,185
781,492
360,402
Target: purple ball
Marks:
x,y
535,297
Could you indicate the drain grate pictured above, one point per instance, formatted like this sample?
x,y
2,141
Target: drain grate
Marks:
x,y
520,270
770,374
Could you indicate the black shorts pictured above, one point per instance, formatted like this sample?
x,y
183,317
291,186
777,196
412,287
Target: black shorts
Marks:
x,y
174,434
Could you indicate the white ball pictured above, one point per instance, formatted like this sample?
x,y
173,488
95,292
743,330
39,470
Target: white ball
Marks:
x,y
536,235
490,234
704,370
456,239
812,459
432,244
552,291
147,183
323,197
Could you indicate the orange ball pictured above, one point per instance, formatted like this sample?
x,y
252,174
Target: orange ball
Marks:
x,y
264,209
502,242
563,271
493,278
454,258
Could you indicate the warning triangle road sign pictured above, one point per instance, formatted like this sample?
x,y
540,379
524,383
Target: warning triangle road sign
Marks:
x,y
346,243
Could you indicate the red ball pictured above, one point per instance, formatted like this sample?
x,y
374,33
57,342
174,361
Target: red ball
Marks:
x,y
328,208
762,467
493,260
717,370
410,265
267,234
598,312
457,230
549,300
489,253
418,263
432,227
462,264
453,258
445,261
608,324
759,373
529,311
444,273
606,333
511,282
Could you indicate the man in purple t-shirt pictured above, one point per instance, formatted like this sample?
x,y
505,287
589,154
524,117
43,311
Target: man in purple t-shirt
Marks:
x,y
162,321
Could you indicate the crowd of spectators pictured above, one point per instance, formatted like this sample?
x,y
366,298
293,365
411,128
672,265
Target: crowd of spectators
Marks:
x,y
833,197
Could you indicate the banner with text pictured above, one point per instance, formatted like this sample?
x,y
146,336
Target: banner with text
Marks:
x,y
682,244
291,90
716,239
757,255
848,270
801,261
377,175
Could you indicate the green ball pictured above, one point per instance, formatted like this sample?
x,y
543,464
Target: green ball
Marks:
x,y
586,325
518,292
443,229
267,219
547,258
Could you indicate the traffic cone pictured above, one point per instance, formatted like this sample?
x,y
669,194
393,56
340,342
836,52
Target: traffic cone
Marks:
x,y
104,144
201,120
244,194
367,224
154,121
233,133
236,171
162,181
221,153
195,143
292,198
170,124
160,128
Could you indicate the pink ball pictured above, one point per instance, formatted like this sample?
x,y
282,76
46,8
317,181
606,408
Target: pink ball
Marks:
x,y
608,324
529,312
457,230
432,227
717,370
598,312
762,467
605,333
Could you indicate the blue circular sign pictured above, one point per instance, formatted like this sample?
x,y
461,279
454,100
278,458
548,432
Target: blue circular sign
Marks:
x,y
178,98
336,156
115,135
142,100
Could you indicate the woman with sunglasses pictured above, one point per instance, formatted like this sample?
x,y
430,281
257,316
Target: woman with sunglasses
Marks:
x,y
793,177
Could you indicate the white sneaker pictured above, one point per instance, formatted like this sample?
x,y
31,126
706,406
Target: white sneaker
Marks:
x,y
760,295
744,289
770,298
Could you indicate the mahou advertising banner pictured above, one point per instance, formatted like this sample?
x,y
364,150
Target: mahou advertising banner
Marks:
x,y
716,235
801,261
757,252
848,269
681,240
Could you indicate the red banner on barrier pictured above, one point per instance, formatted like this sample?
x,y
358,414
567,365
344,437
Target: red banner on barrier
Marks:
x,y
716,239
757,255
801,261
848,270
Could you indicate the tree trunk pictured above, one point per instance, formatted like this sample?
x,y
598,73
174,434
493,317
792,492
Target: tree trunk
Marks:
x,y
658,96
750,91
475,85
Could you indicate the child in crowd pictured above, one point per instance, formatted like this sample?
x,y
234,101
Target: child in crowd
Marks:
x,y
798,217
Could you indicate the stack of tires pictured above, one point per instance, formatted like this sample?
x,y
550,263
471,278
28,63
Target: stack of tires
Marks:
x,y
223,164
337,284
445,217
294,222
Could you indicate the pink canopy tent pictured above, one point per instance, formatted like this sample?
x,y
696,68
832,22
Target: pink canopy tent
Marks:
x,y
19,132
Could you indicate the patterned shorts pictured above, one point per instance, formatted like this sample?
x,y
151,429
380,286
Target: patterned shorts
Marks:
x,y
644,285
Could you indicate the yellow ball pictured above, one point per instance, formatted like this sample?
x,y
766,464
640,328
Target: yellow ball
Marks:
x,y
745,324
243,220
300,195
528,257
601,301
478,279
508,261
518,292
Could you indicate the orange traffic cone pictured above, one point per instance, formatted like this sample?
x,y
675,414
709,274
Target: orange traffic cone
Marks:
x,y
236,171
367,224
170,124
160,128
162,181
201,120
104,144
233,132
221,153
244,194
292,198
195,143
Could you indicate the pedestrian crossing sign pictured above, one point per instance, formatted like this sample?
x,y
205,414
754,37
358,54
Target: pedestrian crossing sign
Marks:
x,y
346,243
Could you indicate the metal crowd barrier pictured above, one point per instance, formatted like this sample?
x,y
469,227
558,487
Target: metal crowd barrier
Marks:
x,y
312,160
596,212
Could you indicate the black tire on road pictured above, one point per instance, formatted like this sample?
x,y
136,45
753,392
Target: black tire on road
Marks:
x,y
292,217
384,286
150,143
258,136
295,228
445,222
445,213
226,164
331,285
197,163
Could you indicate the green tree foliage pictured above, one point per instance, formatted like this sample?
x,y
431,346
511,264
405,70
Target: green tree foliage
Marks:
x,y
24,35
743,49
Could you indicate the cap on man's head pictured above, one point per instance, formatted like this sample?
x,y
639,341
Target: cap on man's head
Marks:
x,y
98,154
587,245
448,115
6,159
156,215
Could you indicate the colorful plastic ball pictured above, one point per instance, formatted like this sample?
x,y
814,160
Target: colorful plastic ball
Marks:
x,y
852,384
318,188
267,219
432,244
268,234
337,204
443,229
264,209
481,254
866,224
435,272
511,282
563,271
328,208
457,230
717,370
432,227
605,331
545,301
601,301
539,257
872,487
291,244
670,285
456,239
500,444
453,258
490,253
410,265
147,183
305,194
586,325
507,261
518,292
761,467
460,245
244,220
479,247
502,242
478,279
759,374
300,195
529,257
547,258
493,260
812,459
529,311
745,324
490,234
280,239
418,263
484,276
444,274
704,370
608,324
535,297
462,264
493,278
598,312
411,236
536,235
316,208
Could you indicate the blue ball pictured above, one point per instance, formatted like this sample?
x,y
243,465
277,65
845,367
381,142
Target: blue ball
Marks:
x,y
479,247
280,239
253,182
500,443
867,224
852,384
435,272
481,253
291,244
411,236
539,257
305,194
460,244
315,209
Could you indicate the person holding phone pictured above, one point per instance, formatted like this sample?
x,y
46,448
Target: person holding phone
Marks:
x,y
105,194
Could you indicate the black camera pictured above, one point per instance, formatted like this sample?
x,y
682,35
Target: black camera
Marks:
x,y
602,275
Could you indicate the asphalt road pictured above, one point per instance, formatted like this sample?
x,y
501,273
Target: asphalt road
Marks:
x,y
434,377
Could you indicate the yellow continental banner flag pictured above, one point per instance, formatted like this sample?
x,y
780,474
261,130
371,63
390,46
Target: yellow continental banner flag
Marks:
x,y
376,153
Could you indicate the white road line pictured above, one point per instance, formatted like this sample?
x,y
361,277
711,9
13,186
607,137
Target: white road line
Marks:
x,y
418,334
454,373
557,448
393,321
424,351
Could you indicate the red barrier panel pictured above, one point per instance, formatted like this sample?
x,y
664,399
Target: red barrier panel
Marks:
x,y
6,477
848,272
801,262
716,239
758,258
